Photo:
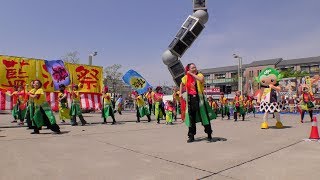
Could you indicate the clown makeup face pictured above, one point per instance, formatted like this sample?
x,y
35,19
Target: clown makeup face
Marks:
x,y
266,80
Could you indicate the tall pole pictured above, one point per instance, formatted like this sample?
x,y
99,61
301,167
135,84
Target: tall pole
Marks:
x,y
240,62
239,81
91,57
90,60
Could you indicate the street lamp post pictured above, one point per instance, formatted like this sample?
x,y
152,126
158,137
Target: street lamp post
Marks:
x,y
239,72
91,57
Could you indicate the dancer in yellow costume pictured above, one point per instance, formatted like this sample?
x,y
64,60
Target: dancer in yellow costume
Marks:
x,y
176,101
30,107
107,107
64,111
159,106
75,107
224,106
150,98
43,114
141,108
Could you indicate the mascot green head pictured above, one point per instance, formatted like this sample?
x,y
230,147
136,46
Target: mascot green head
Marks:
x,y
269,76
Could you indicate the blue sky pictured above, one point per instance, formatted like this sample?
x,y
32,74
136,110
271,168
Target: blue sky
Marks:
x,y
136,33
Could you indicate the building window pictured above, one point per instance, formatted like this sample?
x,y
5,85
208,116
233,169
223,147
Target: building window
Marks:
x,y
234,75
250,73
305,69
234,88
314,69
259,71
291,68
220,76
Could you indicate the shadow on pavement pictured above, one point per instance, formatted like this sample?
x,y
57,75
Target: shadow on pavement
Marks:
x,y
214,139
62,132
284,127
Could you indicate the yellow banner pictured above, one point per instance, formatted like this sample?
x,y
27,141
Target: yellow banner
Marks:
x,y
90,77
16,71
21,71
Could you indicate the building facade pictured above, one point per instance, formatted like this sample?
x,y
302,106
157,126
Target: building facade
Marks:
x,y
221,78
228,76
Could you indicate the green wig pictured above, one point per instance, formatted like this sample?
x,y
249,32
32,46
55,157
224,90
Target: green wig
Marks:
x,y
268,71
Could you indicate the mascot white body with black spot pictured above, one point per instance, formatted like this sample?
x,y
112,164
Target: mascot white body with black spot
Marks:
x,y
268,97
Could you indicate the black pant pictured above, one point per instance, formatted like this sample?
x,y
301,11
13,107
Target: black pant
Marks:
x,y
74,119
112,116
54,127
310,113
29,123
151,108
162,110
223,113
138,115
193,107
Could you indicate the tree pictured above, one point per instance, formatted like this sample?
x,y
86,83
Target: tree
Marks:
x,y
113,78
71,57
292,73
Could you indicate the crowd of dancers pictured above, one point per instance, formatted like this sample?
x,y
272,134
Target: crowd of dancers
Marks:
x,y
190,101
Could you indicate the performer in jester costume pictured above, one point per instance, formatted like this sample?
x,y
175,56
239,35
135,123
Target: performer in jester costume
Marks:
x,y
268,79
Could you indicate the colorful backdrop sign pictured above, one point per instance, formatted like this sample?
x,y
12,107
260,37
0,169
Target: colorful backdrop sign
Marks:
x,y
21,71
58,73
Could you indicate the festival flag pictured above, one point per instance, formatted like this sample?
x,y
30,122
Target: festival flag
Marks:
x,y
136,81
58,72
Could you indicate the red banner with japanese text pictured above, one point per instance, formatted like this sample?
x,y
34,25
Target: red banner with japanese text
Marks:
x,y
16,71
90,77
